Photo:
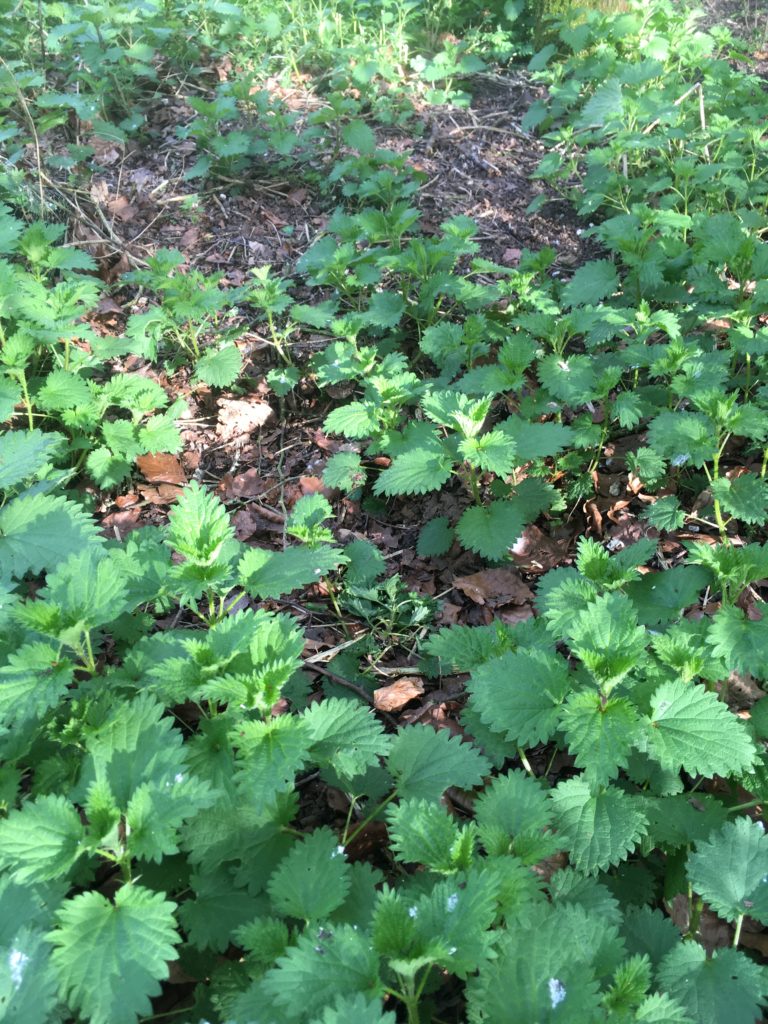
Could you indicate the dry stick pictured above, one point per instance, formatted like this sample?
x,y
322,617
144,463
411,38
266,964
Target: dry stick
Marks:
x,y
696,87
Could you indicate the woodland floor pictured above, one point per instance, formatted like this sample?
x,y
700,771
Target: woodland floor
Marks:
x,y
479,163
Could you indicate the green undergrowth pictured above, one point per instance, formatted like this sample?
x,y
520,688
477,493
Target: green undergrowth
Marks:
x,y
164,731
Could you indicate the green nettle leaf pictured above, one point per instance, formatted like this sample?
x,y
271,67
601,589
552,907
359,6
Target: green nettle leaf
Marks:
x,y
219,367
665,513
664,596
601,827
425,762
275,573
137,744
358,135
23,453
684,438
690,728
199,526
220,906
520,694
493,452
591,284
87,589
730,870
607,639
312,880
745,497
601,733
424,833
385,310
605,105
739,641
306,519
111,957
271,754
513,814
34,680
40,530
416,472
659,1008
345,736
726,988
326,963
155,814
435,538
106,468
649,932
27,981
42,840
538,976
63,390
357,1009
493,530
159,434
344,471
354,420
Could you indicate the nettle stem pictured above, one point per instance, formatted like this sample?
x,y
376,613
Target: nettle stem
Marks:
x,y
737,933
349,838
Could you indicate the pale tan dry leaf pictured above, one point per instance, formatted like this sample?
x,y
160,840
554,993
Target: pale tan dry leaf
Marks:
x,y
494,587
239,419
397,694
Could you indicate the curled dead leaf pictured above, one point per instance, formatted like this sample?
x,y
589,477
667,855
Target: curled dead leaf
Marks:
x,y
397,694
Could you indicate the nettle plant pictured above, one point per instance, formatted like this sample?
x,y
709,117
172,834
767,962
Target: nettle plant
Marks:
x,y
54,370
193,309
151,796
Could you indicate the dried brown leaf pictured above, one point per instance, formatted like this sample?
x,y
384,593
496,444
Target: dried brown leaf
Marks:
x,y
161,468
494,587
397,694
